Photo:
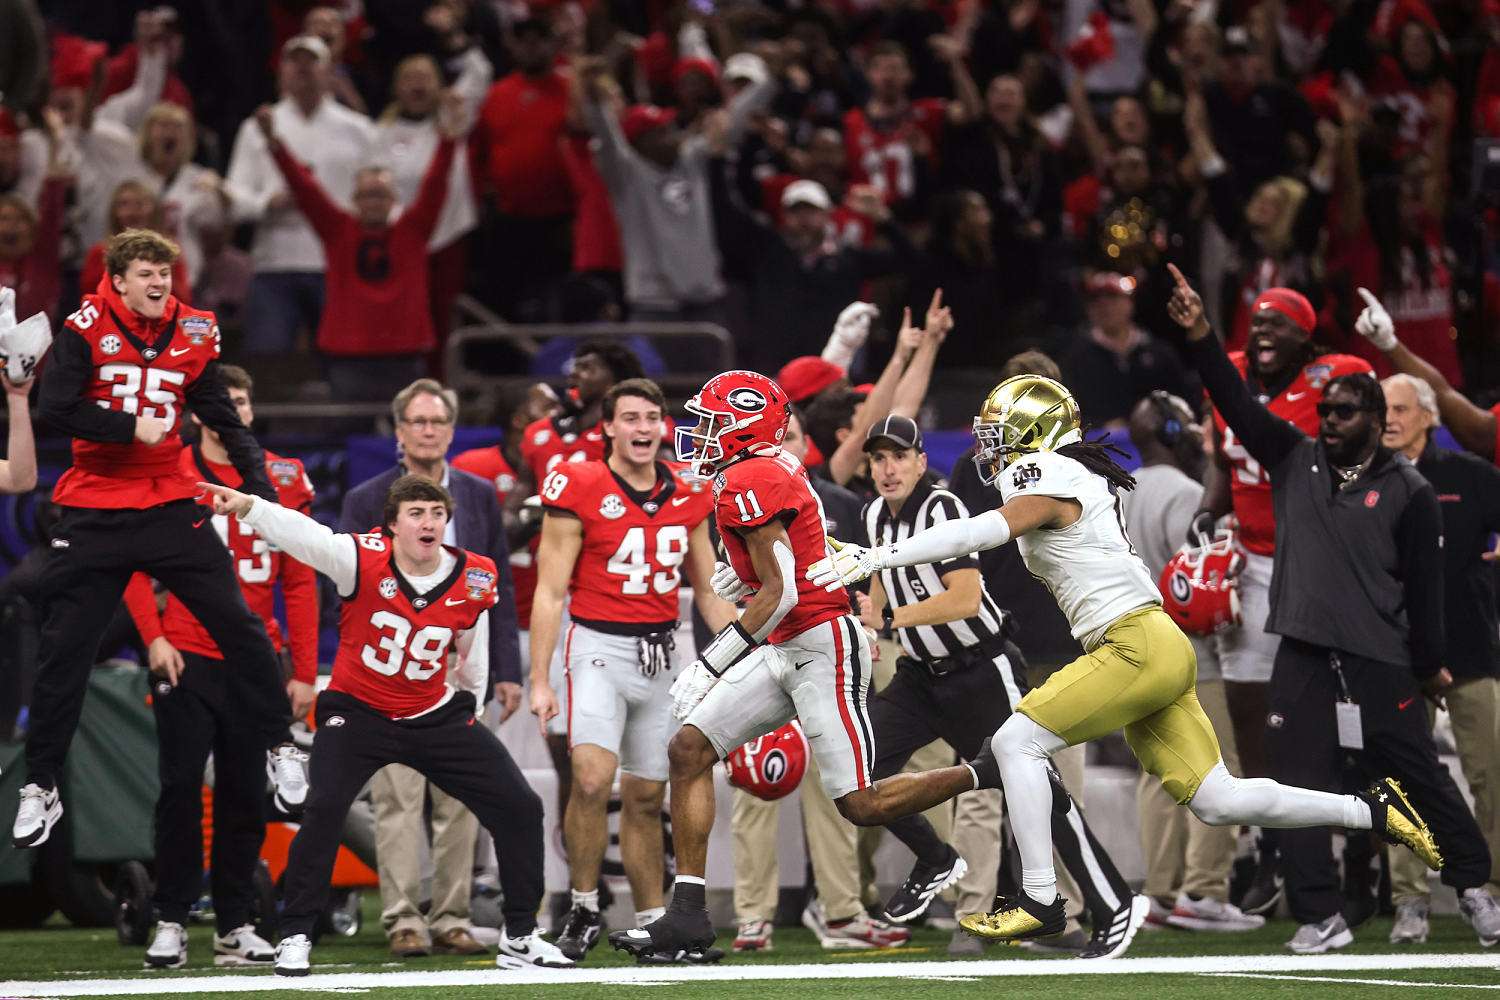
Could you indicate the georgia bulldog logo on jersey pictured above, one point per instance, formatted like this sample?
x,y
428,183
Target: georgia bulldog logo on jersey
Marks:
x,y
478,582
612,507
388,587
110,344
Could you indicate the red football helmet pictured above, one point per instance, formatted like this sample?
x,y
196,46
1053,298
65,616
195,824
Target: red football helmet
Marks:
x,y
747,413
1200,584
770,766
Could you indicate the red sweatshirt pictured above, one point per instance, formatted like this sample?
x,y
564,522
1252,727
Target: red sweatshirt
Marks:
x,y
376,280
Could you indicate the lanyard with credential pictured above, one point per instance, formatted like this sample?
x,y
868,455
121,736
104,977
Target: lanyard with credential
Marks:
x,y
1351,730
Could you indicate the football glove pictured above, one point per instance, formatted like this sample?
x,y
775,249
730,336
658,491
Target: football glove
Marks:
x,y
850,331
727,584
1374,323
22,344
689,689
848,565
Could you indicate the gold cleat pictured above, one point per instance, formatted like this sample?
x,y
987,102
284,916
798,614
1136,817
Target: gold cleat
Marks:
x,y
1018,918
1402,825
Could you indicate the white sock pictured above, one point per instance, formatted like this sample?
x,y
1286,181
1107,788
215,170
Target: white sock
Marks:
x,y
1357,813
588,900
1039,885
644,917
691,880
1023,749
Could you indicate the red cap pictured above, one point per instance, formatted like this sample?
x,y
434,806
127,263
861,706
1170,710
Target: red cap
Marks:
x,y
73,61
807,376
642,118
1291,304
1109,282
686,65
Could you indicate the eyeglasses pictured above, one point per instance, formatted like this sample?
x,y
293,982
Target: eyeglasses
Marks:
x,y
1343,411
422,423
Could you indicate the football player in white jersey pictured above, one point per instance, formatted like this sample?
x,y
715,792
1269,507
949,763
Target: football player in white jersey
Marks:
x,y
1061,505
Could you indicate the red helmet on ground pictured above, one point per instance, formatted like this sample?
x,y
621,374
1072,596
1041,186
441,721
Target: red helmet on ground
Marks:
x,y
747,413
770,766
1200,584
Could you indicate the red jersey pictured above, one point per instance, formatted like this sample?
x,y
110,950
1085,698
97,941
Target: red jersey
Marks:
x,y
257,565
490,464
517,144
394,642
1249,484
552,440
629,567
757,490
883,158
133,367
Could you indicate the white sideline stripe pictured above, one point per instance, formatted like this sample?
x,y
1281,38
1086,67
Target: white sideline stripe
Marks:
x,y
261,982
1359,982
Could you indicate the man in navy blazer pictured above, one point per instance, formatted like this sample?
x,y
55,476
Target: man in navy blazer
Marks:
x,y
425,413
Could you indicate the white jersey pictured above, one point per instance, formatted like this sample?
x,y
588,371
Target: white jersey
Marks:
x,y
1090,566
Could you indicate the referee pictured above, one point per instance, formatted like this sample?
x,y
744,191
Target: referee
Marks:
x,y
958,678
1357,598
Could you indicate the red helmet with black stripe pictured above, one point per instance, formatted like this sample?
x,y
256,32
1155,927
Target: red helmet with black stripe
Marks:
x,y
739,413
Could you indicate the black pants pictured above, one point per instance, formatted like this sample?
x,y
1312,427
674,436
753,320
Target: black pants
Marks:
x,y
452,750
1302,748
197,716
82,584
965,708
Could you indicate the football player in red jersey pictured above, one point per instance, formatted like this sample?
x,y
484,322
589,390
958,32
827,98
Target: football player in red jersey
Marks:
x,y
121,369
575,435
795,651
195,700
616,538
1282,367
408,601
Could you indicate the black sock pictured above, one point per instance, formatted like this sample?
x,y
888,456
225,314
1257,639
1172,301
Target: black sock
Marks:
x,y
689,896
986,767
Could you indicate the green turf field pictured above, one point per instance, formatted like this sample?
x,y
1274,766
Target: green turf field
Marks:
x,y
58,960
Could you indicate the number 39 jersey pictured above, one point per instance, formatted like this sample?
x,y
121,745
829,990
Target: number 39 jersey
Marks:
x,y
1090,566
1249,484
756,491
393,641
630,566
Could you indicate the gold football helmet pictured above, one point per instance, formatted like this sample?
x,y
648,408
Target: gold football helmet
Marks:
x,y
1023,414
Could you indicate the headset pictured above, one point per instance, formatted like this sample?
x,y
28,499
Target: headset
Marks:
x,y
1171,432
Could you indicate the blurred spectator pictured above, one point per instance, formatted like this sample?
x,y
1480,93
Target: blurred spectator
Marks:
x,y
960,259
223,285
1255,118
598,258
192,195
408,133
134,205
518,157
695,89
1115,363
377,324
287,291
23,70
31,241
158,32
20,151
328,24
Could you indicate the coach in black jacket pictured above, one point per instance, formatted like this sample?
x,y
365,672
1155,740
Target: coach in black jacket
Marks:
x,y
425,413
1356,595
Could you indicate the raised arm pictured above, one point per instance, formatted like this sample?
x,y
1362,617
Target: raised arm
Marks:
x,y
18,470
296,534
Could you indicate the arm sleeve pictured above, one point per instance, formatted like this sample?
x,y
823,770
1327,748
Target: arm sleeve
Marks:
x,y
251,179
950,540
1420,545
1267,437
320,210
69,368
307,541
299,592
472,672
611,150
141,602
428,205
210,402
943,510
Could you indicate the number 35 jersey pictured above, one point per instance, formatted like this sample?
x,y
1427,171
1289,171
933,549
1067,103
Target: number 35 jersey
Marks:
x,y
630,566
393,641
1090,566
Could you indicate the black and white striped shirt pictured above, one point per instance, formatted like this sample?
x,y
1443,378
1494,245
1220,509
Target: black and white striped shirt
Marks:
x,y
905,585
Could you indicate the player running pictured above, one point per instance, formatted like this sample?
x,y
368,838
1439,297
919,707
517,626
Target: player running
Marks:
x,y
1061,504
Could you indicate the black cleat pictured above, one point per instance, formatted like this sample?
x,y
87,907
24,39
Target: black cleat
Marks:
x,y
580,932
1398,823
678,934
1017,918
692,956
1114,932
925,881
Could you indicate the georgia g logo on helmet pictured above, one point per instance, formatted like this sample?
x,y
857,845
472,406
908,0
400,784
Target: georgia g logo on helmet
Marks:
x,y
747,400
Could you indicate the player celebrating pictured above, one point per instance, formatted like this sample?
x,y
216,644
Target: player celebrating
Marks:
x,y
615,538
408,599
1061,505
795,651
121,370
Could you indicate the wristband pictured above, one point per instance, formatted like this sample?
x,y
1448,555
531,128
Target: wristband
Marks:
x,y
727,648
887,622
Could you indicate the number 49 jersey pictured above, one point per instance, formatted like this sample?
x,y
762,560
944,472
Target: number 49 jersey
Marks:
x,y
630,566
758,490
393,641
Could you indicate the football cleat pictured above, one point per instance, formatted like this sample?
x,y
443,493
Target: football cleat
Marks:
x,y
753,935
169,948
292,955
688,956
678,936
925,881
286,766
1113,935
39,811
530,951
580,932
242,946
1018,918
1393,818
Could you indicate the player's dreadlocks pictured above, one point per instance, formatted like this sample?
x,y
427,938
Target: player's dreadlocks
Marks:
x,y
1094,456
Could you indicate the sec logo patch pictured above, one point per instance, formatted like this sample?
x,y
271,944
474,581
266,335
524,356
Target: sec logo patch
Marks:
x,y
612,507
110,344
388,588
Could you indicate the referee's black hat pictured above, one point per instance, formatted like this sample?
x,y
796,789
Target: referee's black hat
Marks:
x,y
901,430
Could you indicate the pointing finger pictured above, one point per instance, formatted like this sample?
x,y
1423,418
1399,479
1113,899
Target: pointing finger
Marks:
x,y
1370,299
1177,276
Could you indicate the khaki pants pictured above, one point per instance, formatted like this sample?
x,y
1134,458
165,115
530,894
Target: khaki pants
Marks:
x,y
830,847
1183,854
1474,707
397,793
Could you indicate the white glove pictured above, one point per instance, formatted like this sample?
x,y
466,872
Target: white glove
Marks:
x,y
850,331
727,584
1375,324
22,344
849,564
689,688
7,308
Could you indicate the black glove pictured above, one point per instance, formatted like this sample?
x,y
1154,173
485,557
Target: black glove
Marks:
x,y
1201,527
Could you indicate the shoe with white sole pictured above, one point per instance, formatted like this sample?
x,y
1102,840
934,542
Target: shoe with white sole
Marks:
x,y
1211,915
286,766
530,951
242,946
1481,912
1111,938
753,935
1314,939
169,948
292,955
39,811
925,881
1411,922
859,931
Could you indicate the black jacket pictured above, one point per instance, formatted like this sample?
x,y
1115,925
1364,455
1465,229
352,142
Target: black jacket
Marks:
x,y
1468,491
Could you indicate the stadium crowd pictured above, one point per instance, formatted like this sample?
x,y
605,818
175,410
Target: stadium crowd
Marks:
x,y
891,207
